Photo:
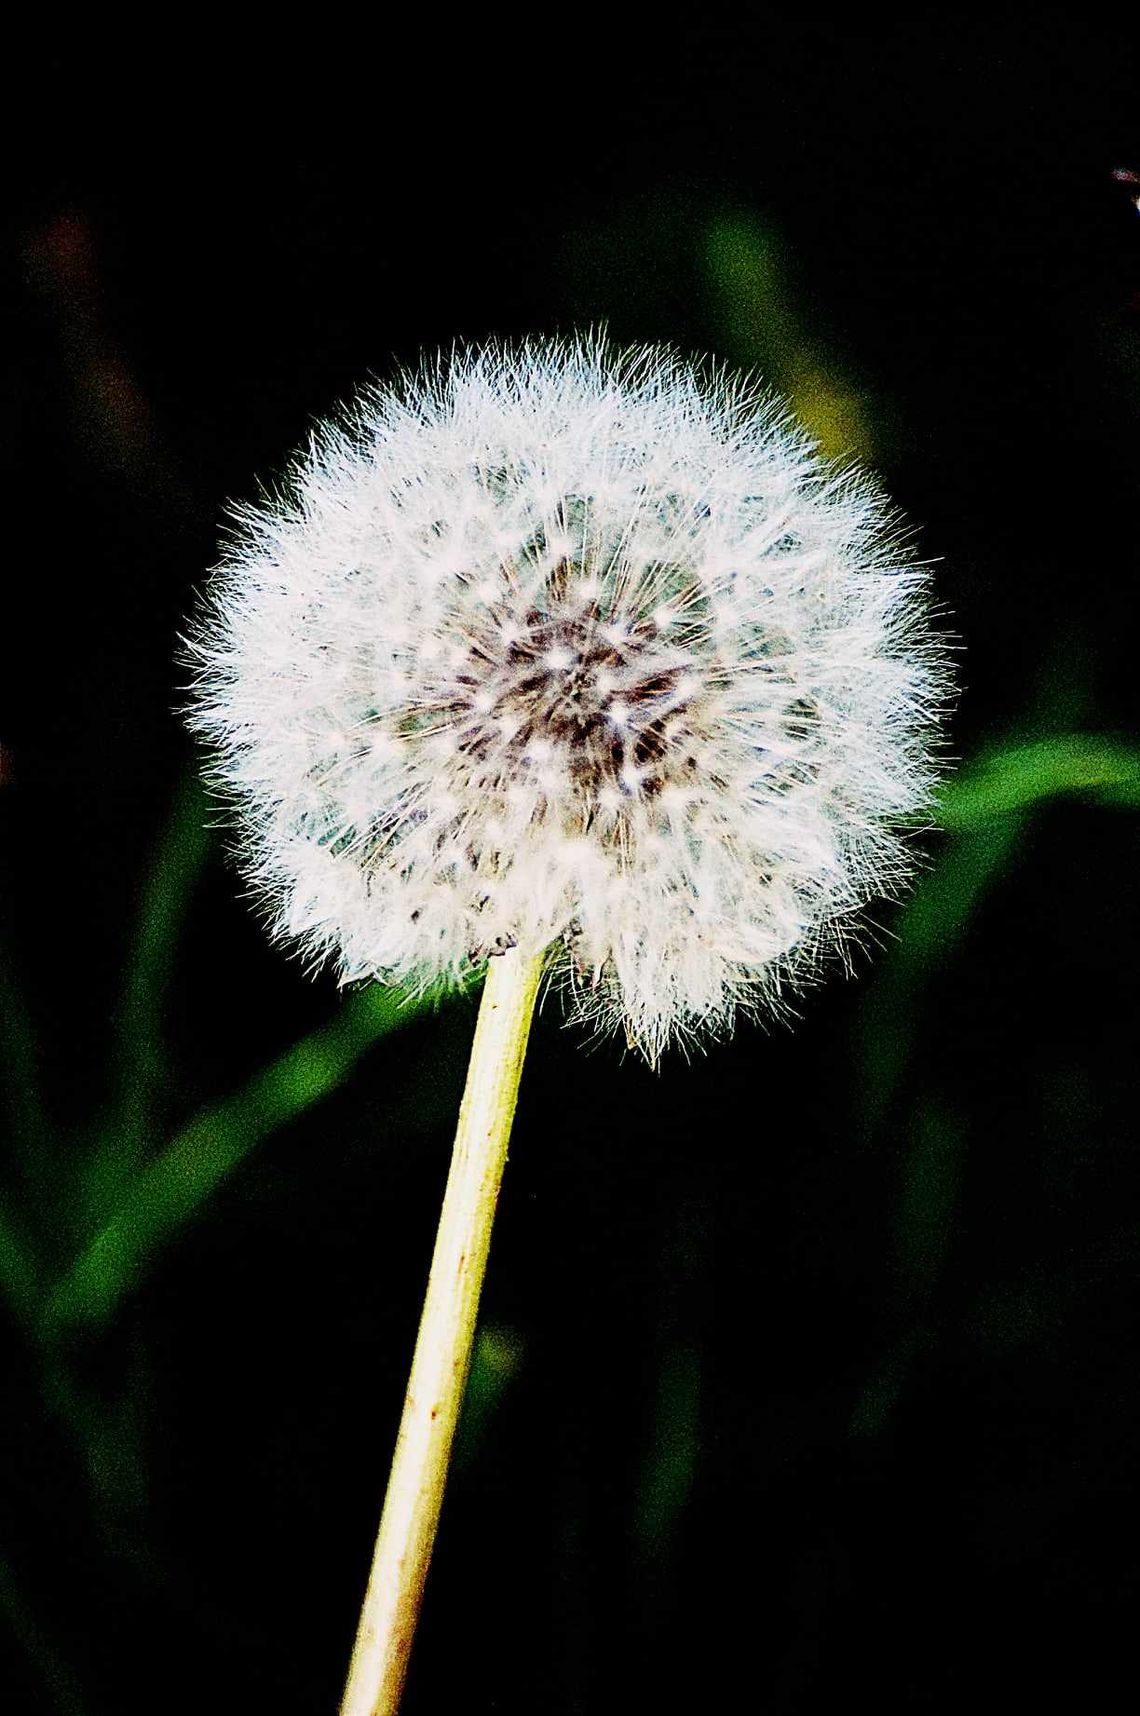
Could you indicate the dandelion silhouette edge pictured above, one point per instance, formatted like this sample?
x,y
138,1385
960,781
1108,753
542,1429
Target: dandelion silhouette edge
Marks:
x,y
562,646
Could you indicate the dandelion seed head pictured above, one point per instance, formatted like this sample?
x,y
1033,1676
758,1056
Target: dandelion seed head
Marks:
x,y
557,646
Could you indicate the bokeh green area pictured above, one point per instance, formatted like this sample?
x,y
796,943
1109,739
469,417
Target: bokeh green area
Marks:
x,y
807,1366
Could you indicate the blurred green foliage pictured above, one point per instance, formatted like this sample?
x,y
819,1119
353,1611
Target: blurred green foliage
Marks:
x,y
131,1197
761,327
58,1677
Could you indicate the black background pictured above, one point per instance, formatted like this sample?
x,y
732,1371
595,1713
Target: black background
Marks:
x,y
795,1407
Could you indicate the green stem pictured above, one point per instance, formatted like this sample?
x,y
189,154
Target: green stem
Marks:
x,y
443,1348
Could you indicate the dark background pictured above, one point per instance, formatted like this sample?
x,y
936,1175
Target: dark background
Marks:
x,y
809,1370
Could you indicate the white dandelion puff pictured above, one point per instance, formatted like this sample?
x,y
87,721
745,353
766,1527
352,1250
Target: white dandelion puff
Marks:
x,y
561,647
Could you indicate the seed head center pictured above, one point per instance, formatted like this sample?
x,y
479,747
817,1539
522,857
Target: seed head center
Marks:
x,y
593,695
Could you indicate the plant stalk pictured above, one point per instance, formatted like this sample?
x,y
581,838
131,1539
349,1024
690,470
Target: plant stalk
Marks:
x,y
443,1347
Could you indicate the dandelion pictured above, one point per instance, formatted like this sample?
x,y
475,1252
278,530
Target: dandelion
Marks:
x,y
567,663
562,649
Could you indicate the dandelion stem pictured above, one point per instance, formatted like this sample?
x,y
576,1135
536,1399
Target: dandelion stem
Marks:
x,y
443,1347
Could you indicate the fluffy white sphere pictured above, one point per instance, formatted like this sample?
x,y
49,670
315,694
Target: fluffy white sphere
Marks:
x,y
562,647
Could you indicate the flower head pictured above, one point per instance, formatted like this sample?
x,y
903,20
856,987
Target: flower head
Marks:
x,y
557,646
